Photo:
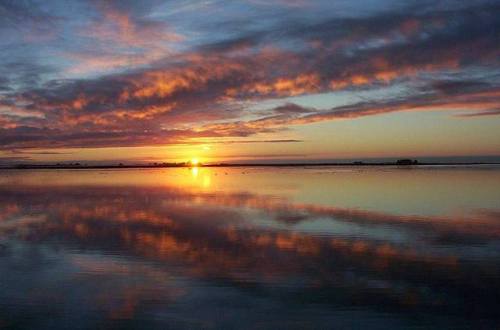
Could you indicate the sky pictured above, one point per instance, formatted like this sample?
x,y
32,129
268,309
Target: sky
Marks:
x,y
250,80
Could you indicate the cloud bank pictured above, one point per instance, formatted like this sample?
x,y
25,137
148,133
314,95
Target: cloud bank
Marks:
x,y
159,73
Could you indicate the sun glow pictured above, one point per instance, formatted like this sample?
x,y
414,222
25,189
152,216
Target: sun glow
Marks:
x,y
194,162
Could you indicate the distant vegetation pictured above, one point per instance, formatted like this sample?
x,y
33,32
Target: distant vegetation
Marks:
x,y
190,164
406,162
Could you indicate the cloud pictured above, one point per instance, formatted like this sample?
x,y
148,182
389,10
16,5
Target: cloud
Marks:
x,y
480,114
121,37
146,94
485,99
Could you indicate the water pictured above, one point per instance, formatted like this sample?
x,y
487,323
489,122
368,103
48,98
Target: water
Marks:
x,y
250,248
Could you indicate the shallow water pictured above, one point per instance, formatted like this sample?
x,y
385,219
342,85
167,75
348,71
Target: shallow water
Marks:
x,y
250,248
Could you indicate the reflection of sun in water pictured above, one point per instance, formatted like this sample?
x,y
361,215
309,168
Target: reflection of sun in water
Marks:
x,y
206,181
197,173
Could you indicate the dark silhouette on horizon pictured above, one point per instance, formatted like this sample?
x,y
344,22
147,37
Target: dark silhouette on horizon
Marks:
x,y
406,162
188,164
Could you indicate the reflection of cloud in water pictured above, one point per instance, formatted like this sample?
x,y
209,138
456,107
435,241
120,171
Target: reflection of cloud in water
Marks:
x,y
220,237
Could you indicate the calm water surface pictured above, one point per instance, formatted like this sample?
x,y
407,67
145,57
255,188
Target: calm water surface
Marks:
x,y
250,248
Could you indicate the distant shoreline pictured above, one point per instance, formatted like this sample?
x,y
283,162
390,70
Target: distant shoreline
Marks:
x,y
147,166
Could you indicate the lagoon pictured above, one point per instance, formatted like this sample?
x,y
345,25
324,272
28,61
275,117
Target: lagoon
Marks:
x,y
250,248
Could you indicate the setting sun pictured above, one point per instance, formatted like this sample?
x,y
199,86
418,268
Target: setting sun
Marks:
x,y
195,162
